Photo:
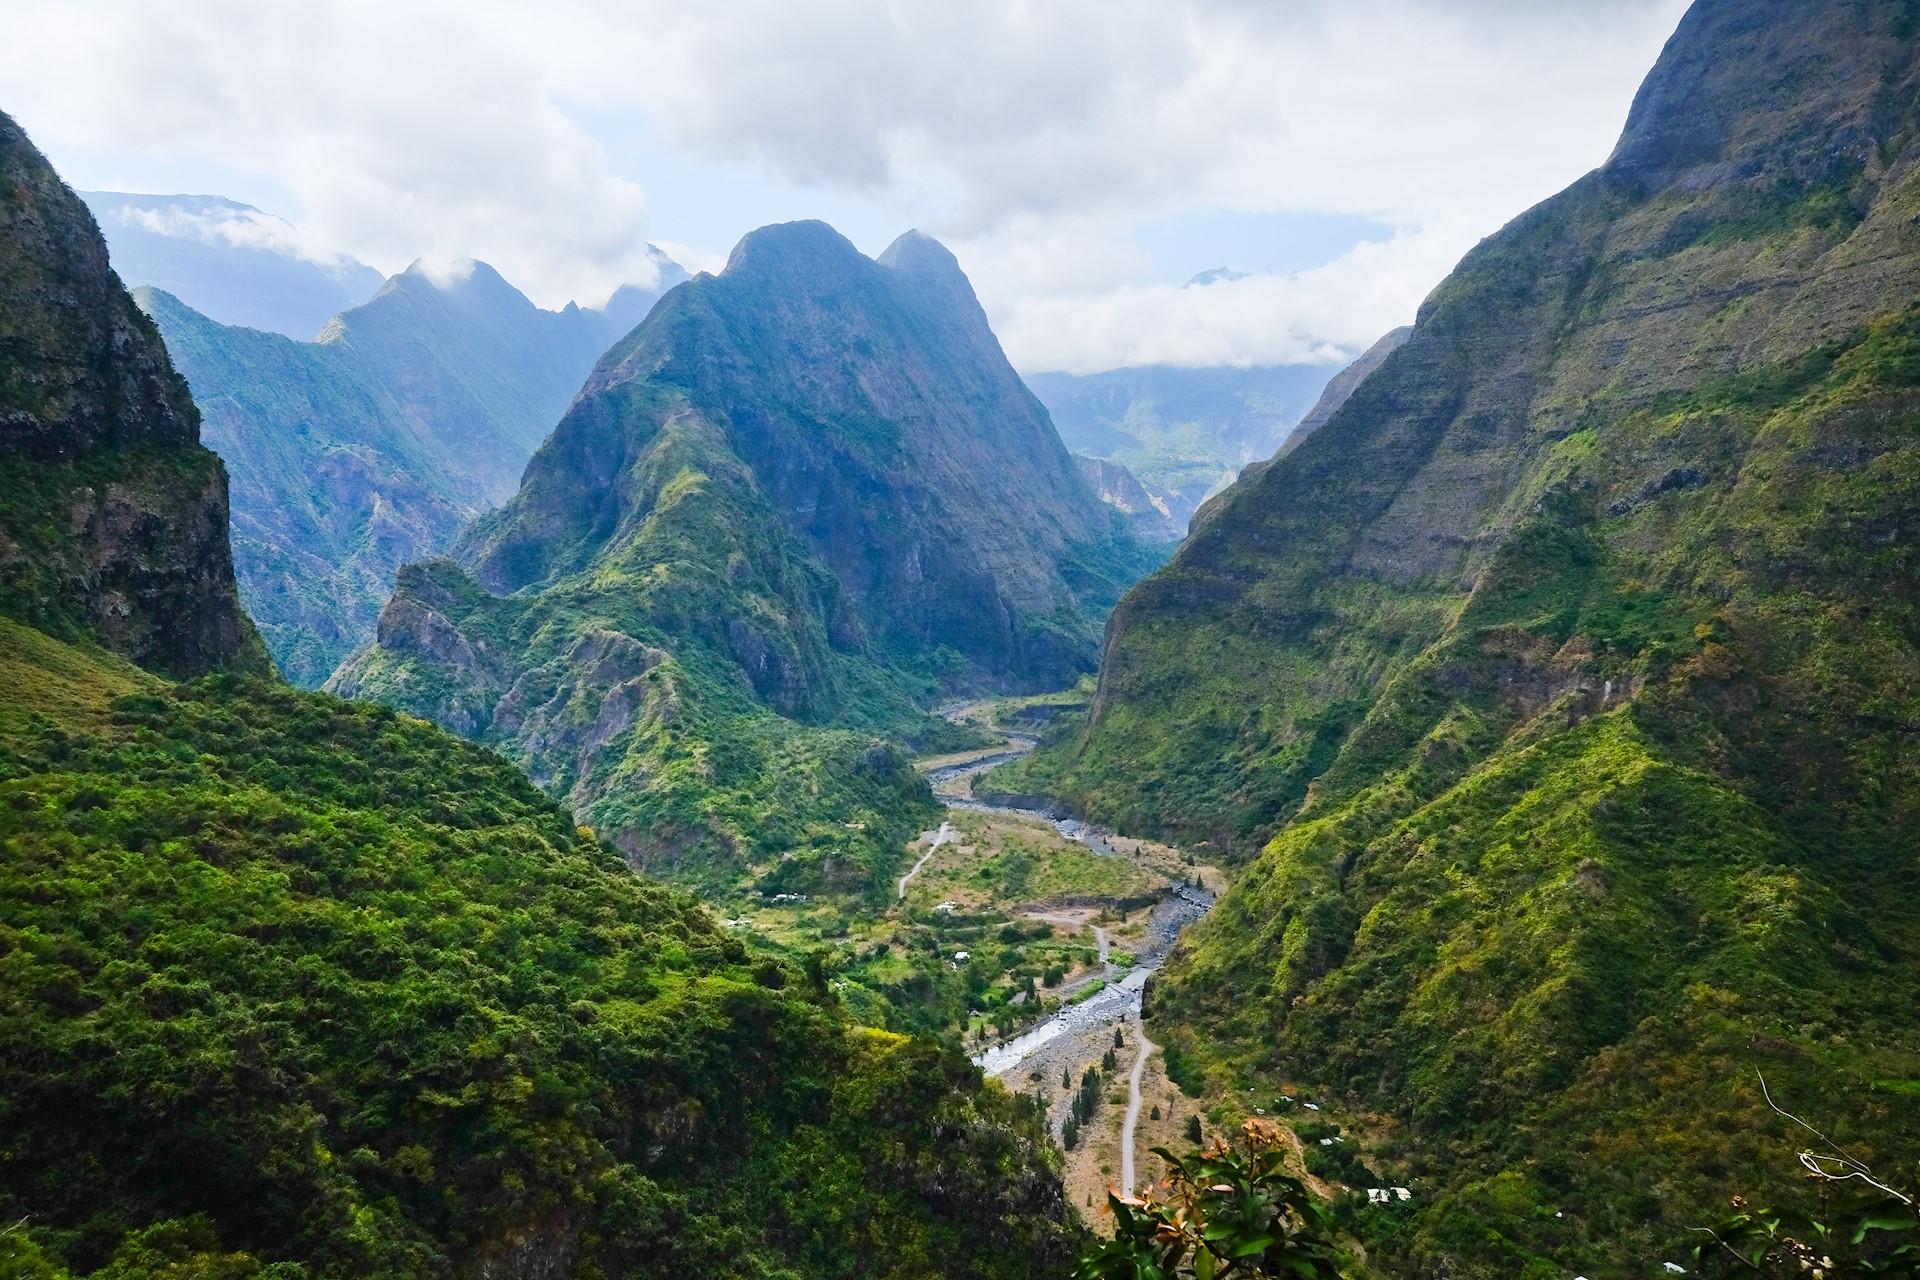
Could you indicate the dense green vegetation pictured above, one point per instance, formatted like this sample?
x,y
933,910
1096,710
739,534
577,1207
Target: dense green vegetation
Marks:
x,y
297,987
1559,695
318,984
1231,1210
729,583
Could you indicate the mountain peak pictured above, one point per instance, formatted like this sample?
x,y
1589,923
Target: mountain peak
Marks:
x,y
918,253
1747,85
809,245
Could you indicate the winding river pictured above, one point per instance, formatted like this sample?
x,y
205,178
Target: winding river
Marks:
x,y
1118,1001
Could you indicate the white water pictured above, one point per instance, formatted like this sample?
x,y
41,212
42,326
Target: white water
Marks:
x,y
1106,1005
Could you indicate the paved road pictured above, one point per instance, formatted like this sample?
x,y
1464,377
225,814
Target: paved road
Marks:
x,y
1133,1110
943,836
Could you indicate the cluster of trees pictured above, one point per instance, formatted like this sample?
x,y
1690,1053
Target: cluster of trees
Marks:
x,y
313,989
1086,1099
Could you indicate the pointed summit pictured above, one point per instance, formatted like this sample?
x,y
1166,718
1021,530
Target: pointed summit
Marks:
x,y
803,494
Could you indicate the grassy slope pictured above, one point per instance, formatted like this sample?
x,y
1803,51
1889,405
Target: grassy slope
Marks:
x,y
361,995
1635,827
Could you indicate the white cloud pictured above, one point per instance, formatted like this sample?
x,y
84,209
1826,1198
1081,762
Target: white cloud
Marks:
x,y
1323,315
1032,136
240,227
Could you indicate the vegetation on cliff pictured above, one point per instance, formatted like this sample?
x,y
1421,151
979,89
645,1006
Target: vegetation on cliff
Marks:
x,y
1561,688
296,987
375,444
804,499
113,519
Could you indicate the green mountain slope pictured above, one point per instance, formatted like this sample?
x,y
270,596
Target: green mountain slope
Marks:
x,y
373,445
803,497
293,987
331,490
359,997
1564,683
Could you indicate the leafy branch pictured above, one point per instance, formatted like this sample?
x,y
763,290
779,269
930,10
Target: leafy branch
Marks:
x,y
1230,1210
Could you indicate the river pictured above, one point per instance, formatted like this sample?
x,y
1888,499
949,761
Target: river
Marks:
x,y
1116,1003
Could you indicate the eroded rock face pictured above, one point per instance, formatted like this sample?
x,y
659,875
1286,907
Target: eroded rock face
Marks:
x,y
798,501
873,410
1759,204
80,367
113,519
1579,637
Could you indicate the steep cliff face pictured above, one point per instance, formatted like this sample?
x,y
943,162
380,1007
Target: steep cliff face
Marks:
x,y
802,496
1149,517
878,417
1341,387
374,445
1564,681
112,518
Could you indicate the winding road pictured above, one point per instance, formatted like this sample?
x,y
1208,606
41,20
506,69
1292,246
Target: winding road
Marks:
x,y
1133,1110
943,836
1112,1005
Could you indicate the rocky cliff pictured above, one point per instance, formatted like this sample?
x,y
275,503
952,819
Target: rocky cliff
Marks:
x,y
1342,386
112,517
374,445
1149,516
803,496
1560,687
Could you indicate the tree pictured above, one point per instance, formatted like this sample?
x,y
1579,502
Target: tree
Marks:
x,y
1231,1210
1193,1130
1119,1041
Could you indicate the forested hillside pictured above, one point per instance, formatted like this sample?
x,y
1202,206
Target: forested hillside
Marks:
x,y
293,987
1561,691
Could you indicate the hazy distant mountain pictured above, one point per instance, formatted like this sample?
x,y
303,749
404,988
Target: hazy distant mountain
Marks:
x,y
804,493
373,446
1184,433
227,260
1149,517
477,369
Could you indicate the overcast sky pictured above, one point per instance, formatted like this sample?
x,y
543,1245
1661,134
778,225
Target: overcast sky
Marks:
x,y
1082,157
